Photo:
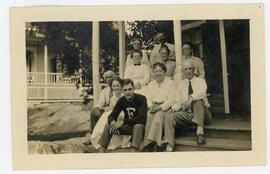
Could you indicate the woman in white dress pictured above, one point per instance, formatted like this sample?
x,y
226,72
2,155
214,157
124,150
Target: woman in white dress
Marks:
x,y
138,72
160,98
116,141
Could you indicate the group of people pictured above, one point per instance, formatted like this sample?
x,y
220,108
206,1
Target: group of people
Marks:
x,y
142,110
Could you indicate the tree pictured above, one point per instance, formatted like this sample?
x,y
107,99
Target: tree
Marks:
x,y
146,30
74,41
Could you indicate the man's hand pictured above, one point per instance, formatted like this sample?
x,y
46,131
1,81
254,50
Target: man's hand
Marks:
x,y
184,106
155,109
187,103
137,85
173,109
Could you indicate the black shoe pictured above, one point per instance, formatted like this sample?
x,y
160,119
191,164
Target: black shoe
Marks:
x,y
87,143
156,148
200,139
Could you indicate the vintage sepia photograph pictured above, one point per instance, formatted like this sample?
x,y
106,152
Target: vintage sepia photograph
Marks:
x,y
138,88
122,86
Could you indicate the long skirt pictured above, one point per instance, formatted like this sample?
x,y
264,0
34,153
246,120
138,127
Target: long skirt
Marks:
x,y
154,128
117,141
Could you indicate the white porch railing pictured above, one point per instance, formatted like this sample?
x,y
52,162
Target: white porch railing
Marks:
x,y
38,78
57,87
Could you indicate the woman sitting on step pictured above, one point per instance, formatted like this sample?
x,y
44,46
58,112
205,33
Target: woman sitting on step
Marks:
x,y
117,141
160,98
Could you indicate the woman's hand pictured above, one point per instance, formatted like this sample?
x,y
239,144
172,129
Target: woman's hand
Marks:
x,y
155,109
172,110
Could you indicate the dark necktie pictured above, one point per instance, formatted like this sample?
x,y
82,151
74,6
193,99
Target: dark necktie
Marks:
x,y
190,90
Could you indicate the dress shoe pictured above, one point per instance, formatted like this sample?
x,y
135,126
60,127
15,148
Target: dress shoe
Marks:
x,y
134,149
169,148
200,139
87,143
155,148
102,150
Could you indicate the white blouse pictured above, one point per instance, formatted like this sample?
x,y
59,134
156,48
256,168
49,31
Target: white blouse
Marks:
x,y
144,60
162,93
138,73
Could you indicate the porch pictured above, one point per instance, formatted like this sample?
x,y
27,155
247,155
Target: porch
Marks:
x,y
223,84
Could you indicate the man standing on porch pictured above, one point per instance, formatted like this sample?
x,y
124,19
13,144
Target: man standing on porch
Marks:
x,y
102,104
188,108
134,107
155,56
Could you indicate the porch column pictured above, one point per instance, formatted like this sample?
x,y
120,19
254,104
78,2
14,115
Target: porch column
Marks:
x,y
178,49
224,66
45,71
95,60
122,50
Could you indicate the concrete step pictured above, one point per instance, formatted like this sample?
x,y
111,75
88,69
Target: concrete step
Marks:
x,y
190,144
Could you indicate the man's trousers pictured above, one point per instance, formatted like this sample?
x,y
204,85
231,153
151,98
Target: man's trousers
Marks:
x,y
183,118
136,131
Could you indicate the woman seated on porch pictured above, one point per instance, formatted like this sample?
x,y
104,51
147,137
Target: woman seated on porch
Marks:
x,y
160,98
117,141
164,53
137,45
138,72
198,63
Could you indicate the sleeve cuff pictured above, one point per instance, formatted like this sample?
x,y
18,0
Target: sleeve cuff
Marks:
x,y
164,107
176,107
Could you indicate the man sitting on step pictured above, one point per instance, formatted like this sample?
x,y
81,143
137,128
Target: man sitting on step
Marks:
x,y
188,108
134,107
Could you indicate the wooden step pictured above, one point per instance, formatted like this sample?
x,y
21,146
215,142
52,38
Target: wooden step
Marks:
x,y
216,96
185,143
214,133
216,102
217,109
221,128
